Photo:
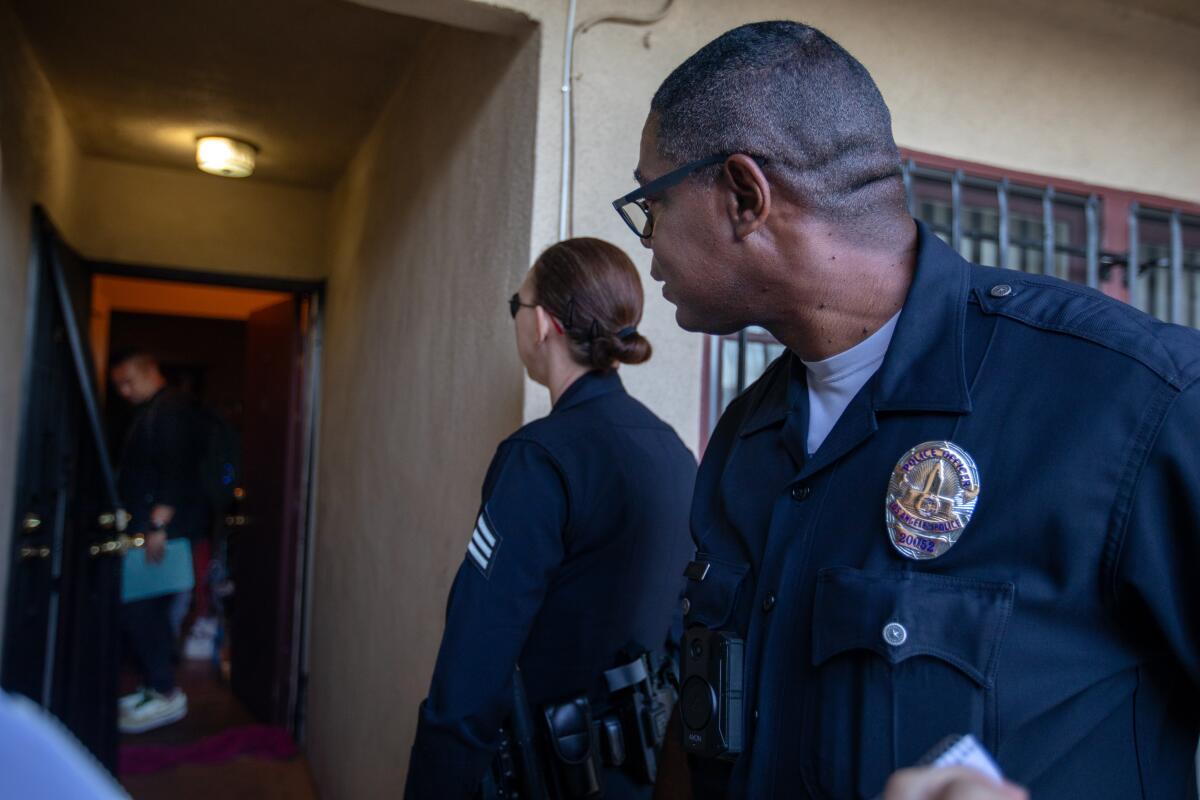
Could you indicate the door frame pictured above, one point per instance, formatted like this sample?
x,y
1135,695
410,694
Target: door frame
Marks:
x,y
312,291
310,396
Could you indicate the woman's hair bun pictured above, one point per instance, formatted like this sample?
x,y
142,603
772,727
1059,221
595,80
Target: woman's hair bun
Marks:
x,y
632,348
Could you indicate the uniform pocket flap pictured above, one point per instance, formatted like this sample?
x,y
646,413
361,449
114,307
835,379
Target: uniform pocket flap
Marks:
x,y
711,600
898,615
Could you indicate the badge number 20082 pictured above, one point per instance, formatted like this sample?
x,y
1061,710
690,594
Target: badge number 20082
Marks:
x,y
930,499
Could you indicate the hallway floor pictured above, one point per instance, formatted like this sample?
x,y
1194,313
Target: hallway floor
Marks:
x,y
212,709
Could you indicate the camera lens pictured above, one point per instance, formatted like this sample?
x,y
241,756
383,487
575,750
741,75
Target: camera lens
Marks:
x,y
697,702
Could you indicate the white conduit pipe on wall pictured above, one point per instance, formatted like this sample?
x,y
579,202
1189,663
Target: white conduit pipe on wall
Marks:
x,y
564,200
568,137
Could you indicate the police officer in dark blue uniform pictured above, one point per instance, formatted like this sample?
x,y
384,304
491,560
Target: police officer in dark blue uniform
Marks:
x,y
575,561
964,501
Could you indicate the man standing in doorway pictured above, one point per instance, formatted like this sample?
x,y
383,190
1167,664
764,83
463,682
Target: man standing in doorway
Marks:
x,y
161,486
964,500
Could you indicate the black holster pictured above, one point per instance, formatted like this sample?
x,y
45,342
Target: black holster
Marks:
x,y
642,693
516,772
574,755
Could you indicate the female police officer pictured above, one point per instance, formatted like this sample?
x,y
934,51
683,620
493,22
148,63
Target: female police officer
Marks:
x,y
579,544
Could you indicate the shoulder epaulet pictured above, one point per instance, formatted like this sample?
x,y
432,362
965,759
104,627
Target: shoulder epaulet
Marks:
x,y
1170,351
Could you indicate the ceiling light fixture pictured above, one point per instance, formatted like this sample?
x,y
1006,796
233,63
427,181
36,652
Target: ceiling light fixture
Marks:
x,y
220,155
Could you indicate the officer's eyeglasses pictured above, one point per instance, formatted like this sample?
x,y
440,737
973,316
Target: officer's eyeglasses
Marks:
x,y
634,207
515,304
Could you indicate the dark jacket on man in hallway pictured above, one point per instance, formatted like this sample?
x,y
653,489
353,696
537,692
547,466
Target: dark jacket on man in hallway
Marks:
x,y
160,464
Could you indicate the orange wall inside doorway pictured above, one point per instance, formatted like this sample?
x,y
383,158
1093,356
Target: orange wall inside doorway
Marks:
x,y
177,298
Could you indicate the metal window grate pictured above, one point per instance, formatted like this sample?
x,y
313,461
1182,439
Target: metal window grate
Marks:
x,y
1018,225
1167,244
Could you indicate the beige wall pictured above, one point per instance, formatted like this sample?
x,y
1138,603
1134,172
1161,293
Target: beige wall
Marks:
x,y
37,165
421,382
176,218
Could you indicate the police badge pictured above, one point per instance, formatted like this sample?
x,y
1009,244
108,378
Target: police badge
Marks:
x,y
930,499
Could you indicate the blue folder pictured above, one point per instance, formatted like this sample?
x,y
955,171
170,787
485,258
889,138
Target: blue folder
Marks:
x,y
172,575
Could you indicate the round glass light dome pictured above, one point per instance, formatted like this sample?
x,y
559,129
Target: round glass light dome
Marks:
x,y
220,155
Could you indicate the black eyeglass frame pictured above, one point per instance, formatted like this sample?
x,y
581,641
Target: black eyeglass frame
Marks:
x,y
515,304
639,195
660,184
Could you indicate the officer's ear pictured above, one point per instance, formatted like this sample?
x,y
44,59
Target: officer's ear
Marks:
x,y
546,324
748,196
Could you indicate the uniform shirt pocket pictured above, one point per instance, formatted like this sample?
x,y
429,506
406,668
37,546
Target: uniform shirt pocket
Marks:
x,y
900,660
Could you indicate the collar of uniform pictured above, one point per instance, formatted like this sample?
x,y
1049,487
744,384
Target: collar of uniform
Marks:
x,y
590,385
771,395
923,369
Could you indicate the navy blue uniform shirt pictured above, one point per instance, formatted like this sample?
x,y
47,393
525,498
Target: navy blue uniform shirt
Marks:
x,y
1062,629
577,552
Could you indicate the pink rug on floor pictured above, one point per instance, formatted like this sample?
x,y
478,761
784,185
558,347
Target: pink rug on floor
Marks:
x,y
258,741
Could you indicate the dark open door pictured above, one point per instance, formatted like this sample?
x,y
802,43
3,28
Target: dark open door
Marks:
x,y
48,434
61,633
264,551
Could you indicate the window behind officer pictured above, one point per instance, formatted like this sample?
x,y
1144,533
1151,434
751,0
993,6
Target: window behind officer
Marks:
x,y
574,564
159,483
964,500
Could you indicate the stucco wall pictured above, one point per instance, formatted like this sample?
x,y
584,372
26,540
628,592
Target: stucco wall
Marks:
x,y
37,165
176,218
429,238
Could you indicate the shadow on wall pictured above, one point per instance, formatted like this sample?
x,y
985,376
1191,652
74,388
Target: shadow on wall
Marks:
x,y
430,234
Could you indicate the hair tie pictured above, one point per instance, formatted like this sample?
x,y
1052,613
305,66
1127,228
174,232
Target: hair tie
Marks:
x,y
570,315
627,332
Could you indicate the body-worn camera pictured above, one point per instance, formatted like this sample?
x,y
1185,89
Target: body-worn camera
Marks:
x,y
710,695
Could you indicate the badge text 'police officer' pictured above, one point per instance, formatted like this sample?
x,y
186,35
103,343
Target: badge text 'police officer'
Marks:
x,y
930,499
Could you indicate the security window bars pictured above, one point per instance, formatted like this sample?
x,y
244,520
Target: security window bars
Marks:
x,y
1078,233
999,223
1168,246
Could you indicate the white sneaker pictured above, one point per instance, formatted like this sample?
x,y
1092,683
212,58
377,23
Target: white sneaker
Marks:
x,y
130,700
153,711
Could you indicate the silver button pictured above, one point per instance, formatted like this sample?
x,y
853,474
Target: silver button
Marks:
x,y
687,606
894,634
1000,290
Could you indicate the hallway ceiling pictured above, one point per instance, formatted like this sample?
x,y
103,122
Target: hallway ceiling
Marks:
x,y
1185,11
301,79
